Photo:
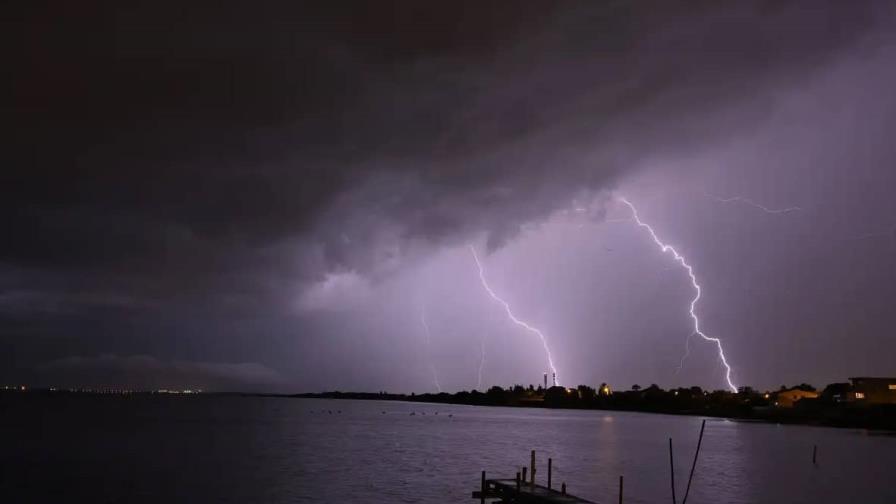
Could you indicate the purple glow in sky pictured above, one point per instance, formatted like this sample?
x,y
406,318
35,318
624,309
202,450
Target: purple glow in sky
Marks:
x,y
697,290
513,318
428,338
259,199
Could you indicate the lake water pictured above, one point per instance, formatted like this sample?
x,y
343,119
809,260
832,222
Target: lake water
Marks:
x,y
253,449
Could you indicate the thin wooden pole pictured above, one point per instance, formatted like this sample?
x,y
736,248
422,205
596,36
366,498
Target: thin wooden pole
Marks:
x,y
517,482
524,475
672,471
620,489
482,490
550,463
694,465
563,488
532,469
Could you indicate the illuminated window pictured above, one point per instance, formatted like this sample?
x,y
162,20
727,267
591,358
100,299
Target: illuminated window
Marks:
x,y
892,386
860,395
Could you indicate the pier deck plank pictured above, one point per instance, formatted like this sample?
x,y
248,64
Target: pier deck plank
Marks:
x,y
506,491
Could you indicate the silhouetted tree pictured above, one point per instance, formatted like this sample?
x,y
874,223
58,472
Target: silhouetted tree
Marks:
x,y
560,396
586,393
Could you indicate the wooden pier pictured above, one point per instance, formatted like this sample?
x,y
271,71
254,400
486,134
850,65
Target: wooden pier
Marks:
x,y
523,490
508,491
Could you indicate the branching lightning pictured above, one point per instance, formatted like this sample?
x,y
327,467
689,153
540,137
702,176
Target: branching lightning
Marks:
x,y
891,233
511,316
684,264
432,366
687,353
747,201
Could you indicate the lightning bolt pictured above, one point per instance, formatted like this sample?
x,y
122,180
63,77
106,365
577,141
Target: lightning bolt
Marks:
x,y
684,264
747,201
879,234
432,366
510,315
687,352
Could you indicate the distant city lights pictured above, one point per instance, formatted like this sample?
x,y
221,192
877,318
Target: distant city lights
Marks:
x,y
107,391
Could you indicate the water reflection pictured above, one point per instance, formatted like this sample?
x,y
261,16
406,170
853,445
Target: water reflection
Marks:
x,y
233,449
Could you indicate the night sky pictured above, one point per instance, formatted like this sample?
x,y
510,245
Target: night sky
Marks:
x,y
274,196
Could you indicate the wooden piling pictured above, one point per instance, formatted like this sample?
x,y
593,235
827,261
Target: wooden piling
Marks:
x,y
550,463
532,469
814,454
517,482
672,471
694,464
620,489
563,488
524,475
482,489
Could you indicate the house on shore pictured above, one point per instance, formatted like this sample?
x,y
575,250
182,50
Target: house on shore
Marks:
x,y
837,393
789,397
866,390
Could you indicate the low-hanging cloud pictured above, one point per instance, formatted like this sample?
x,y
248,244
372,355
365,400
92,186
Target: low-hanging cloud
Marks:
x,y
483,123
142,372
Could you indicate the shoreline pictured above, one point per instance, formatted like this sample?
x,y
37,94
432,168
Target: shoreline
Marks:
x,y
874,418
878,418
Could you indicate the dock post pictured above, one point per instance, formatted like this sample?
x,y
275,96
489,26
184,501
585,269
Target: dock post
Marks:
x,y
563,488
524,475
694,465
620,489
814,454
517,482
672,471
532,469
550,463
482,490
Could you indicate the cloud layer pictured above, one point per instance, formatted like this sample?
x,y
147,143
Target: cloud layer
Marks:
x,y
141,372
195,182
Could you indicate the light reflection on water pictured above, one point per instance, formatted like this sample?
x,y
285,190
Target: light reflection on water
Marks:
x,y
234,449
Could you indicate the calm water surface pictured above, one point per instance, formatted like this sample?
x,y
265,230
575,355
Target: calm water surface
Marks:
x,y
252,449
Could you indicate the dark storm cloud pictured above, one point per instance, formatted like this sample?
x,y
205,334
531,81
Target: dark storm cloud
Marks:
x,y
222,153
142,371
